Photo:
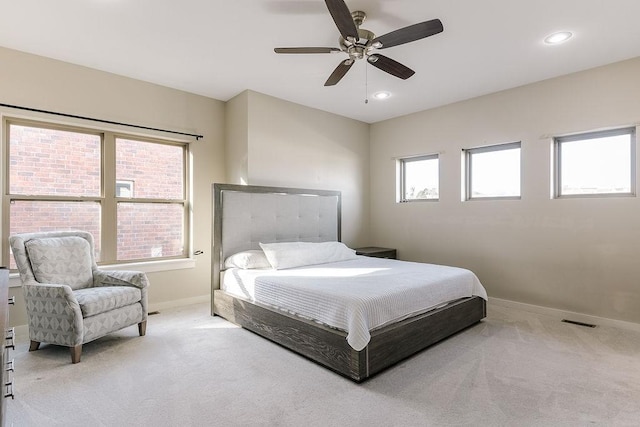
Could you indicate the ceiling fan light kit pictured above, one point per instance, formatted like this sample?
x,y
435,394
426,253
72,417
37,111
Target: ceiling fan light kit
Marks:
x,y
359,43
558,38
381,95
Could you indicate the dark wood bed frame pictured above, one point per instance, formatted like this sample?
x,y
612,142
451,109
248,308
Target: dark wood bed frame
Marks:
x,y
328,346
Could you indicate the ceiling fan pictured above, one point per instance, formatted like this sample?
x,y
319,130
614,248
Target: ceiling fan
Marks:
x,y
359,43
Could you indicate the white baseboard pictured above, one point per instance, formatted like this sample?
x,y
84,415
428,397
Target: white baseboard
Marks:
x,y
179,303
23,330
564,314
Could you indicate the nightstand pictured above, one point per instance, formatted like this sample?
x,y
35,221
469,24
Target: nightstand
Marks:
x,y
377,252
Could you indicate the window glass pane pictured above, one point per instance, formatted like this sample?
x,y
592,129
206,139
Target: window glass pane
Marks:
x,y
150,170
495,173
150,230
421,179
596,166
53,162
28,216
52,167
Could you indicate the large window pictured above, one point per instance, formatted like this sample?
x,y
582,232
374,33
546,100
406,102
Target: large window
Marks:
x,y
129,192
419,178
493,172
595,164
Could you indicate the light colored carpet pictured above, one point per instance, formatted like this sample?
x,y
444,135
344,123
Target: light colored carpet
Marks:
x,y
191,369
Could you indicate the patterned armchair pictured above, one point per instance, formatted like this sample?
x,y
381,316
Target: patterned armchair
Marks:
x,y
69,300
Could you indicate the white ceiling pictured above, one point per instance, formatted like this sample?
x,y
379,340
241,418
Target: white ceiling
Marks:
x,y
219,48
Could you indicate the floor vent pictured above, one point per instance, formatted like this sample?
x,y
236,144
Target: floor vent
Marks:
x,y
153,312
573,322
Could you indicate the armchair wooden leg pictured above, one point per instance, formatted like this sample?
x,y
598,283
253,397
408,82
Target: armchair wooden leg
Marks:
x,y
75,353
142,328
34,345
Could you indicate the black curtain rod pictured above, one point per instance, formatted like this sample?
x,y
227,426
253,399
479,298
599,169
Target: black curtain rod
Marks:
x,y
197,137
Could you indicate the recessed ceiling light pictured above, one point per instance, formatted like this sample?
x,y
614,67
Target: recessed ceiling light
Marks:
x,y
559,37
381,95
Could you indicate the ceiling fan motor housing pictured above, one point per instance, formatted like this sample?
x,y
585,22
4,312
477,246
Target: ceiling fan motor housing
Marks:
x,y
361,47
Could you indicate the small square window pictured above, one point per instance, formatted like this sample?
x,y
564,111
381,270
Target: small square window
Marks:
x,y
419,178
595,164
493,172
124,189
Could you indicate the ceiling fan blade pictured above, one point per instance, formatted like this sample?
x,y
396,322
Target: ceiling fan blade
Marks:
x,y
390,66
342,17
409,34
306,50
339,72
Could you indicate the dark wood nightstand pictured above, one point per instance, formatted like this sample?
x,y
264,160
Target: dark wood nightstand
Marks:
x,y
377,252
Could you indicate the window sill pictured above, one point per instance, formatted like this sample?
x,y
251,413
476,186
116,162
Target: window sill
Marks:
x,y
417,200
145,266
492,198
153,266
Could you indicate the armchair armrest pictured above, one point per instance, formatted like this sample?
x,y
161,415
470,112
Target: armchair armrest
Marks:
x,y
137,279
44,291
53,313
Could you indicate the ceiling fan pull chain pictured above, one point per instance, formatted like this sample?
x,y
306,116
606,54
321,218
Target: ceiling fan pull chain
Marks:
x,y
366,84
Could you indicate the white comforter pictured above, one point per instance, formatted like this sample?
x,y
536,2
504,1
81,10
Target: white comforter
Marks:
x,y
357,295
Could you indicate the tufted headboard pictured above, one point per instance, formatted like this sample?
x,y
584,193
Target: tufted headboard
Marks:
x,y
245,215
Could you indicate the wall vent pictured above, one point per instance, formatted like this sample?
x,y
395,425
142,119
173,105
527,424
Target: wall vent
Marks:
x,y
573,322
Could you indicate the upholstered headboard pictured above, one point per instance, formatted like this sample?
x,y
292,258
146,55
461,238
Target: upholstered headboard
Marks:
x,y
245,215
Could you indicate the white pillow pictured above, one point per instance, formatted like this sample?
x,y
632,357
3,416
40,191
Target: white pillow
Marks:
x,y
247,259
298,254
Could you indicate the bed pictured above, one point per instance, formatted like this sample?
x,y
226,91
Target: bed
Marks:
x,y
246,217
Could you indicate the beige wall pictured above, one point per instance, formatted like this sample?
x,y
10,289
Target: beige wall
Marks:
x,y
572,254
37,82
290,145
576,255
237,139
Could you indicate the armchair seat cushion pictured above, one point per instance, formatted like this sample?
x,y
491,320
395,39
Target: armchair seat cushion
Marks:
x,y
61,260
101,299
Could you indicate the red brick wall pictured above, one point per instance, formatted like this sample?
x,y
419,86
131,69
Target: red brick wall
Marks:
x,y
155,169
51,162
149,229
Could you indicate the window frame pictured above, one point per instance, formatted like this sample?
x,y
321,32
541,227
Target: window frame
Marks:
x,y
108,199
557,141
468,169
402,183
